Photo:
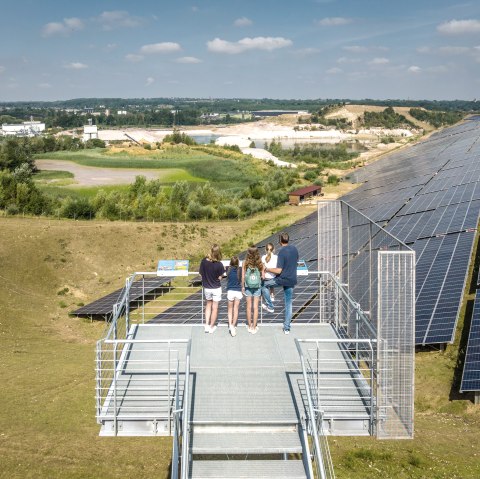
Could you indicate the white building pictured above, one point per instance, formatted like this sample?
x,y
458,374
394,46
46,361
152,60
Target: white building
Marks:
x,y
90,132
27,128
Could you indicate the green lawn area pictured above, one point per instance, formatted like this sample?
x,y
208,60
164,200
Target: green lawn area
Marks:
x,y
223,172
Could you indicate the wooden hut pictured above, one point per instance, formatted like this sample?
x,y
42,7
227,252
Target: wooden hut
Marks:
x,y
298,196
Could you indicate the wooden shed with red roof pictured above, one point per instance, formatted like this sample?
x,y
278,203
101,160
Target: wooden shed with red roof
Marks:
x,y
298,196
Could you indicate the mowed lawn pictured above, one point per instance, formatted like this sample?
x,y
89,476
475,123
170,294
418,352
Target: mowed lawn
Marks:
x,y
230,171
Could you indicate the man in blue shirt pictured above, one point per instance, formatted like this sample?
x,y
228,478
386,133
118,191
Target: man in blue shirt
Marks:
x,y
286,272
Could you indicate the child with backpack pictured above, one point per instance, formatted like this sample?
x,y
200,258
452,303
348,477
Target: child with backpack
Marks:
x,y
252,275
234,294
269,259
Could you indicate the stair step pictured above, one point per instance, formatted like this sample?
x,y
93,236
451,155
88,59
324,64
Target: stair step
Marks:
x,y
246,443
247,469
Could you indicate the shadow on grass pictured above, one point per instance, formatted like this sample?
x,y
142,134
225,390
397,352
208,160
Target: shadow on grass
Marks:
x,y
455,393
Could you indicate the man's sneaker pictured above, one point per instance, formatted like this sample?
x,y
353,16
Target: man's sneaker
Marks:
x,y
266,308
233,331
212,330
286,331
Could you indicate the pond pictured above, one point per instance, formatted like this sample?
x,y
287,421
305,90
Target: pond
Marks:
x,y
352,146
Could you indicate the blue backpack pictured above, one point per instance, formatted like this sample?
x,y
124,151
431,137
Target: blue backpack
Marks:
x,y
252,278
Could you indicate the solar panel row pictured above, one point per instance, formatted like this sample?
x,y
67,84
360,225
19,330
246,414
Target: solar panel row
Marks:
x,y
138,290
471,370
431,189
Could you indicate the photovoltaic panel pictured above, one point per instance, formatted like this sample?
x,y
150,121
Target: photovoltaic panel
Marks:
x,y
471,369
437,220
138,290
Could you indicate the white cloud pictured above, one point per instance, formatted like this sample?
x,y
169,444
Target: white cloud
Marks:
x,y
459,27
118,19
348,60
379,61
66,27
334,71
194,8
191,60
414,69
110,47
149,81
134,58
258,43
333,21
242,22
355,49
164,47
76,66
44,85
449,50
2,68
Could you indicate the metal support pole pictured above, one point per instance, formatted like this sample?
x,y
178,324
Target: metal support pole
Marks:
x,y
127,308
143,299
115,422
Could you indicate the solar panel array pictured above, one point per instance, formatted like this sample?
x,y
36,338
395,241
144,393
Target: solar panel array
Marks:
x,y
471,370
138,290
428,196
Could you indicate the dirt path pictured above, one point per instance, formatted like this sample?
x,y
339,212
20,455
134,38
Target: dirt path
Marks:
x,y
92,176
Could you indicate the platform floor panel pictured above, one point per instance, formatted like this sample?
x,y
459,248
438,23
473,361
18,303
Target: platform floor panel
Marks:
x,y
252,369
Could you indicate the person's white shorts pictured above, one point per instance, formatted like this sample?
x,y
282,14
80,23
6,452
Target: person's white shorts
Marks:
x,y
214,293
232,295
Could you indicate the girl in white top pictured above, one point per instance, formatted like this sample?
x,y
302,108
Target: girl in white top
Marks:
x,y
269,259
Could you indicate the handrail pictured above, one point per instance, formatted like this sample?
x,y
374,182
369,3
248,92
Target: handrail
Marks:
x,y
186,415
320,465
346,294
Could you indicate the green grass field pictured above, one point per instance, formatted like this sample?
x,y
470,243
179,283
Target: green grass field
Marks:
x,y
225,173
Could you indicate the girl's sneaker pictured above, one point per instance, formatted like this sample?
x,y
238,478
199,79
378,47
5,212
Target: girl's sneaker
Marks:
x,y
255,330
207,329
272,297
233,331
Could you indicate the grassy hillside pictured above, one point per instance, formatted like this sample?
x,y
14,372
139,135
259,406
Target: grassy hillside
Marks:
x,y
47,419
47,423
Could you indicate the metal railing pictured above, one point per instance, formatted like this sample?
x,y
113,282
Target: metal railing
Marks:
x,y
138,377
348,247
181,429
321,465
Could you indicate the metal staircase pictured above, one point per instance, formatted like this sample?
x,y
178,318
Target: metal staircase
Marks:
x,y
244,421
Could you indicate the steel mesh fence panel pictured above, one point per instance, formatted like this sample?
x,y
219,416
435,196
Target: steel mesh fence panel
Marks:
x,y
396,344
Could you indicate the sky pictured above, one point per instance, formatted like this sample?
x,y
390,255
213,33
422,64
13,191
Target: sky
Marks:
x,y
296,49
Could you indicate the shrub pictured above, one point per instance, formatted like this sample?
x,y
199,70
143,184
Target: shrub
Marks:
x,y
333,180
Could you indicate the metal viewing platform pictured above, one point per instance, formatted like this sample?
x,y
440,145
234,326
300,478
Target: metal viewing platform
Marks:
x,y
271,398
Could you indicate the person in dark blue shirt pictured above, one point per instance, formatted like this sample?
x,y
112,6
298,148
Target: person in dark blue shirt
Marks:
x,y
211,271
286,272
234,294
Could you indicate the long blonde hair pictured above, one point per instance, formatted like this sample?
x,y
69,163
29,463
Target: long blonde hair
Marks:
x,y
269,248
253,259
215,253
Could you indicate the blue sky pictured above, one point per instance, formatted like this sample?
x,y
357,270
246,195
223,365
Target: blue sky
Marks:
x,y
53,49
